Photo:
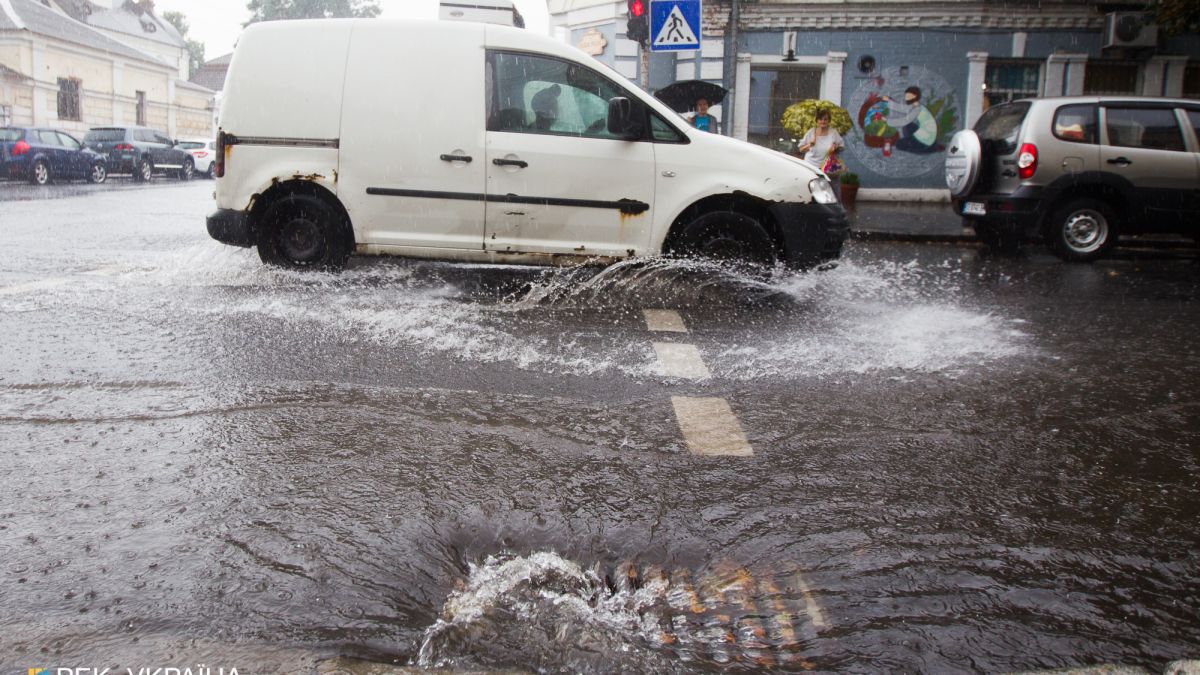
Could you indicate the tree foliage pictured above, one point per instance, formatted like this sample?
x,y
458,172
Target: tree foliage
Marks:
x,y
195,48
275,10
1178,16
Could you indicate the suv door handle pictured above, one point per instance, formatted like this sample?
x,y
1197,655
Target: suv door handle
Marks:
x,y
456,158
510,162
1123,161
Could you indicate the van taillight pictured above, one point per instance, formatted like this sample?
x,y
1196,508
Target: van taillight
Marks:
x,y
1027,161
218,167
19,148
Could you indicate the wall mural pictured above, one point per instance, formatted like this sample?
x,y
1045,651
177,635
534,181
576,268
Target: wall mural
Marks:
x,y
903,119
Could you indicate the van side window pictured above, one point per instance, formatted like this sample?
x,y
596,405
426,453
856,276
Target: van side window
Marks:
x,y
663,132
1149,128
1076,123
539,95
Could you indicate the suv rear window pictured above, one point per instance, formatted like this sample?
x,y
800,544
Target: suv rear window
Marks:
x,y
1000,126
190,145
1076,123
9,135
104,135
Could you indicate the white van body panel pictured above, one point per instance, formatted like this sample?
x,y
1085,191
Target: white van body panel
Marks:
x,y
255,168
687,174
414,94
269,76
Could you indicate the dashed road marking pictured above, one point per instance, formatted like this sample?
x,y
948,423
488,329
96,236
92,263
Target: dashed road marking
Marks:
x,y
664,321
810,603
681,360
710,427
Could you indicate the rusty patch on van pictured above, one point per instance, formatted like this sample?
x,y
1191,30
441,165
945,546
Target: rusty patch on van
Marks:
x,y
311,177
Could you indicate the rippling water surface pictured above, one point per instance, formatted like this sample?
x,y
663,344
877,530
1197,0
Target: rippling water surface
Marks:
x,y
961,463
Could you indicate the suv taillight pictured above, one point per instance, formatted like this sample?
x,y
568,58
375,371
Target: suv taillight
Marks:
x,y
1027,161
123,147
19,148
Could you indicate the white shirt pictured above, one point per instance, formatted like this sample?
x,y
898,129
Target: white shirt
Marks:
x,y
817,154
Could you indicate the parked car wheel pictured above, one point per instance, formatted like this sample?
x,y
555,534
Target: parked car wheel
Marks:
x,y
1083,230
143,171
728,237
187,170
99,173
41,173
303,232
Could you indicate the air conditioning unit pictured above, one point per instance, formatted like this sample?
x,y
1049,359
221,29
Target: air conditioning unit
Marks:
x,y
1130,29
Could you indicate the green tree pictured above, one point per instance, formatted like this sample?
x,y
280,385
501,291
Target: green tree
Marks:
x,y
195,48
1178,16
275,10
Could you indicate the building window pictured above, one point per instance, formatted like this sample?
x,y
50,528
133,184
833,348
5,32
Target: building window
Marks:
x,y
141,108
1109,78
1011,79
772,90
1191,81
6,115
69,108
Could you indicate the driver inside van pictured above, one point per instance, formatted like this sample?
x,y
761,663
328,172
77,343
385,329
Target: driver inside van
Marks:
x,y
545,107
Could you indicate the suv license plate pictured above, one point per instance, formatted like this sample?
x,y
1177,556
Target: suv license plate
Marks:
x,y
974,209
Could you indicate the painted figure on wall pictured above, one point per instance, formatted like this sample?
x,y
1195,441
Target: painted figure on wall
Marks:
x,y
918,128
905,117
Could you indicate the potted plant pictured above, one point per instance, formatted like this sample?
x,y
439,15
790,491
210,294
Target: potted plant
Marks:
x,y
849,188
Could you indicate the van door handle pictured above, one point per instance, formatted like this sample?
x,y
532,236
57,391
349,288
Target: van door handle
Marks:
x,y
1123,161
510,162
456,158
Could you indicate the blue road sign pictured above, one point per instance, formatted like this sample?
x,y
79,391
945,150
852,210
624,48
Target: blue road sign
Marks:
x,y
674,25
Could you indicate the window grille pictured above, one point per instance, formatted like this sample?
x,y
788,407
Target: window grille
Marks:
x,y
69,90
1012,79
1110,78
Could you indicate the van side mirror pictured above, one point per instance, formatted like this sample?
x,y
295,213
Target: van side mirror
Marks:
x,y
620,119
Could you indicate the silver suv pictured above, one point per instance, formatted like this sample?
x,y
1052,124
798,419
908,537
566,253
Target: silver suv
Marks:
x,y
1079,171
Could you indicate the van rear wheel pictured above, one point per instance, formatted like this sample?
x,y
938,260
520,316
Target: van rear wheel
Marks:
x,y
727,237
303,232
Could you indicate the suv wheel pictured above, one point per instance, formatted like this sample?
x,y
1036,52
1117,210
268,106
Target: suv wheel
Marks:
x,y
1083,230
98,173
187,170
303,232
143,171
41,173
728,237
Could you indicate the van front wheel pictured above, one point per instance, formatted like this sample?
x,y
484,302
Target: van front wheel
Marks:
x,y
727,237
302,232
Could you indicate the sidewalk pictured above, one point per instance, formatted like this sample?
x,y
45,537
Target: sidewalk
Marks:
x,y
907,221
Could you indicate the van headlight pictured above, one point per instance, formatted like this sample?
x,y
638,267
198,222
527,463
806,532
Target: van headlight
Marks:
x,y
822,191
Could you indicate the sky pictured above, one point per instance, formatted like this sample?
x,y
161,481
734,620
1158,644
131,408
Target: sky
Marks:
x,y
217,23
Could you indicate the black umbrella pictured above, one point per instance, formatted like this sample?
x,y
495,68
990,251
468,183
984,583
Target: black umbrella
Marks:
x,y
681,96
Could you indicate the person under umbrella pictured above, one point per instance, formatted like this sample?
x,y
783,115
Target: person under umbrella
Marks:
x,y
704,121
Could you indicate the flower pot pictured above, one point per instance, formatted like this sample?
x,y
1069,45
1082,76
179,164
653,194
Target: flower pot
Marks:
x,y
849,195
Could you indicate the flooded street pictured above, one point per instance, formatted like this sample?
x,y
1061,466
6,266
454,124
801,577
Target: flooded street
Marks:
x,y
960,462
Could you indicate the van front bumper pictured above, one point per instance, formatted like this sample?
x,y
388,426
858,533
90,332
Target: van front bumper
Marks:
x,y
812,233
230,226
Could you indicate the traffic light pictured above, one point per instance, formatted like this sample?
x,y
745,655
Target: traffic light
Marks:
x,y
638,28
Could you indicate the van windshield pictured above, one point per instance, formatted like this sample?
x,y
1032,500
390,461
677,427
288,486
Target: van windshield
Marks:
x,y
104,135
1001,126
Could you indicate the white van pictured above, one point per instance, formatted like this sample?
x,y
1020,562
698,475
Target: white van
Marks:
x,y
475,142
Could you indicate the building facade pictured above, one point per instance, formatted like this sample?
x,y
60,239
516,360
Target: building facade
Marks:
x,y
892,64
60,72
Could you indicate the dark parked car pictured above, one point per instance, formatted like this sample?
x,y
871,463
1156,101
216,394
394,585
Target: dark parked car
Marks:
x,y
140,151
44,155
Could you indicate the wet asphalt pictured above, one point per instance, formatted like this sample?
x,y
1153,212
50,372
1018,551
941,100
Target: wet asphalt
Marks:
x,y
961,461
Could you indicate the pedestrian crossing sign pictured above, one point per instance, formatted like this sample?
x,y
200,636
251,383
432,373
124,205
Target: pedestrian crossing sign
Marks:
x,y
674,25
